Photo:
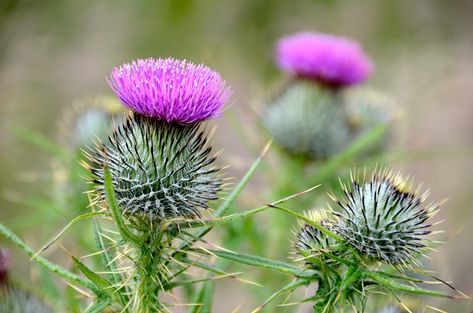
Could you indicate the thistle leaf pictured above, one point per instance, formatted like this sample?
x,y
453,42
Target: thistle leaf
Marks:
x,y
115,211
203,299
99,281
261,262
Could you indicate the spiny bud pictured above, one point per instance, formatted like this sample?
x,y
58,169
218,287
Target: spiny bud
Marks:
x,y
159,170
308,120
383,218
311,239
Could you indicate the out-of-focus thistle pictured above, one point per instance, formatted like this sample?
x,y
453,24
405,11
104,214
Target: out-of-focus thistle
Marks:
x,y
14,299
316,115
367,109
383,218
368,245
307,120
5,263
86,120
159,157
330,60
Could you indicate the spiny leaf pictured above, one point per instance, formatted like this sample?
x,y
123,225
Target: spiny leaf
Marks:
x,y
115,211
310,222
263,263
393,285
204,299
95,278
69,225
98,307
107,256
289,287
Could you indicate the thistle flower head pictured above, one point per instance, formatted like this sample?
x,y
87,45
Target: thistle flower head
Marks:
x,y
307,120
329,59
159,170
170,90
383,219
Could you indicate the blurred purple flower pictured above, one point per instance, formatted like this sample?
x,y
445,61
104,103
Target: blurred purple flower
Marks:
x,y
170,90
329,59
5,263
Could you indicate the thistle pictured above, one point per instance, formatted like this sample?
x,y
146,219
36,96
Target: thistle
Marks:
x,y
369,245
159,157
14,299
384,219
330,60
367,109
313,116
307,120
161,167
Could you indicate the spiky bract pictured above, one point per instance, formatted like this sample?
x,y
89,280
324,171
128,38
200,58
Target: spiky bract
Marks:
x,y
308,120
16,300
159,170
326,58
383,219
170,90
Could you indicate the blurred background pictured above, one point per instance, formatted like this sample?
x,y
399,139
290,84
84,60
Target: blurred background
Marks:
x,y
54,53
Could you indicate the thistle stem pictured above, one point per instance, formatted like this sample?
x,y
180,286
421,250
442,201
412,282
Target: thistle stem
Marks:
x,y
151,276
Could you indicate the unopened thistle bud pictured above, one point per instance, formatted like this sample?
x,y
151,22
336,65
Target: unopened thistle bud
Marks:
x,y
310,239
159,157
308,120
330,60
383,218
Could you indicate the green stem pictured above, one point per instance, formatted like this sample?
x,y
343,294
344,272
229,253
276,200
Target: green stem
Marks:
x,y
151,276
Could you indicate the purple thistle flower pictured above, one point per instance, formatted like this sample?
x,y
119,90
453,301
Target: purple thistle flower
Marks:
x,y
329,59
170,90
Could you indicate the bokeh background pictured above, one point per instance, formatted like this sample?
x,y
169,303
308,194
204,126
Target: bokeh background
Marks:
x,y
54,53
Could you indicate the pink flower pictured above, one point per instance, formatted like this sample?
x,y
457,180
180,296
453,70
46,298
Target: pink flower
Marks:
x,y
328,59
174,91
